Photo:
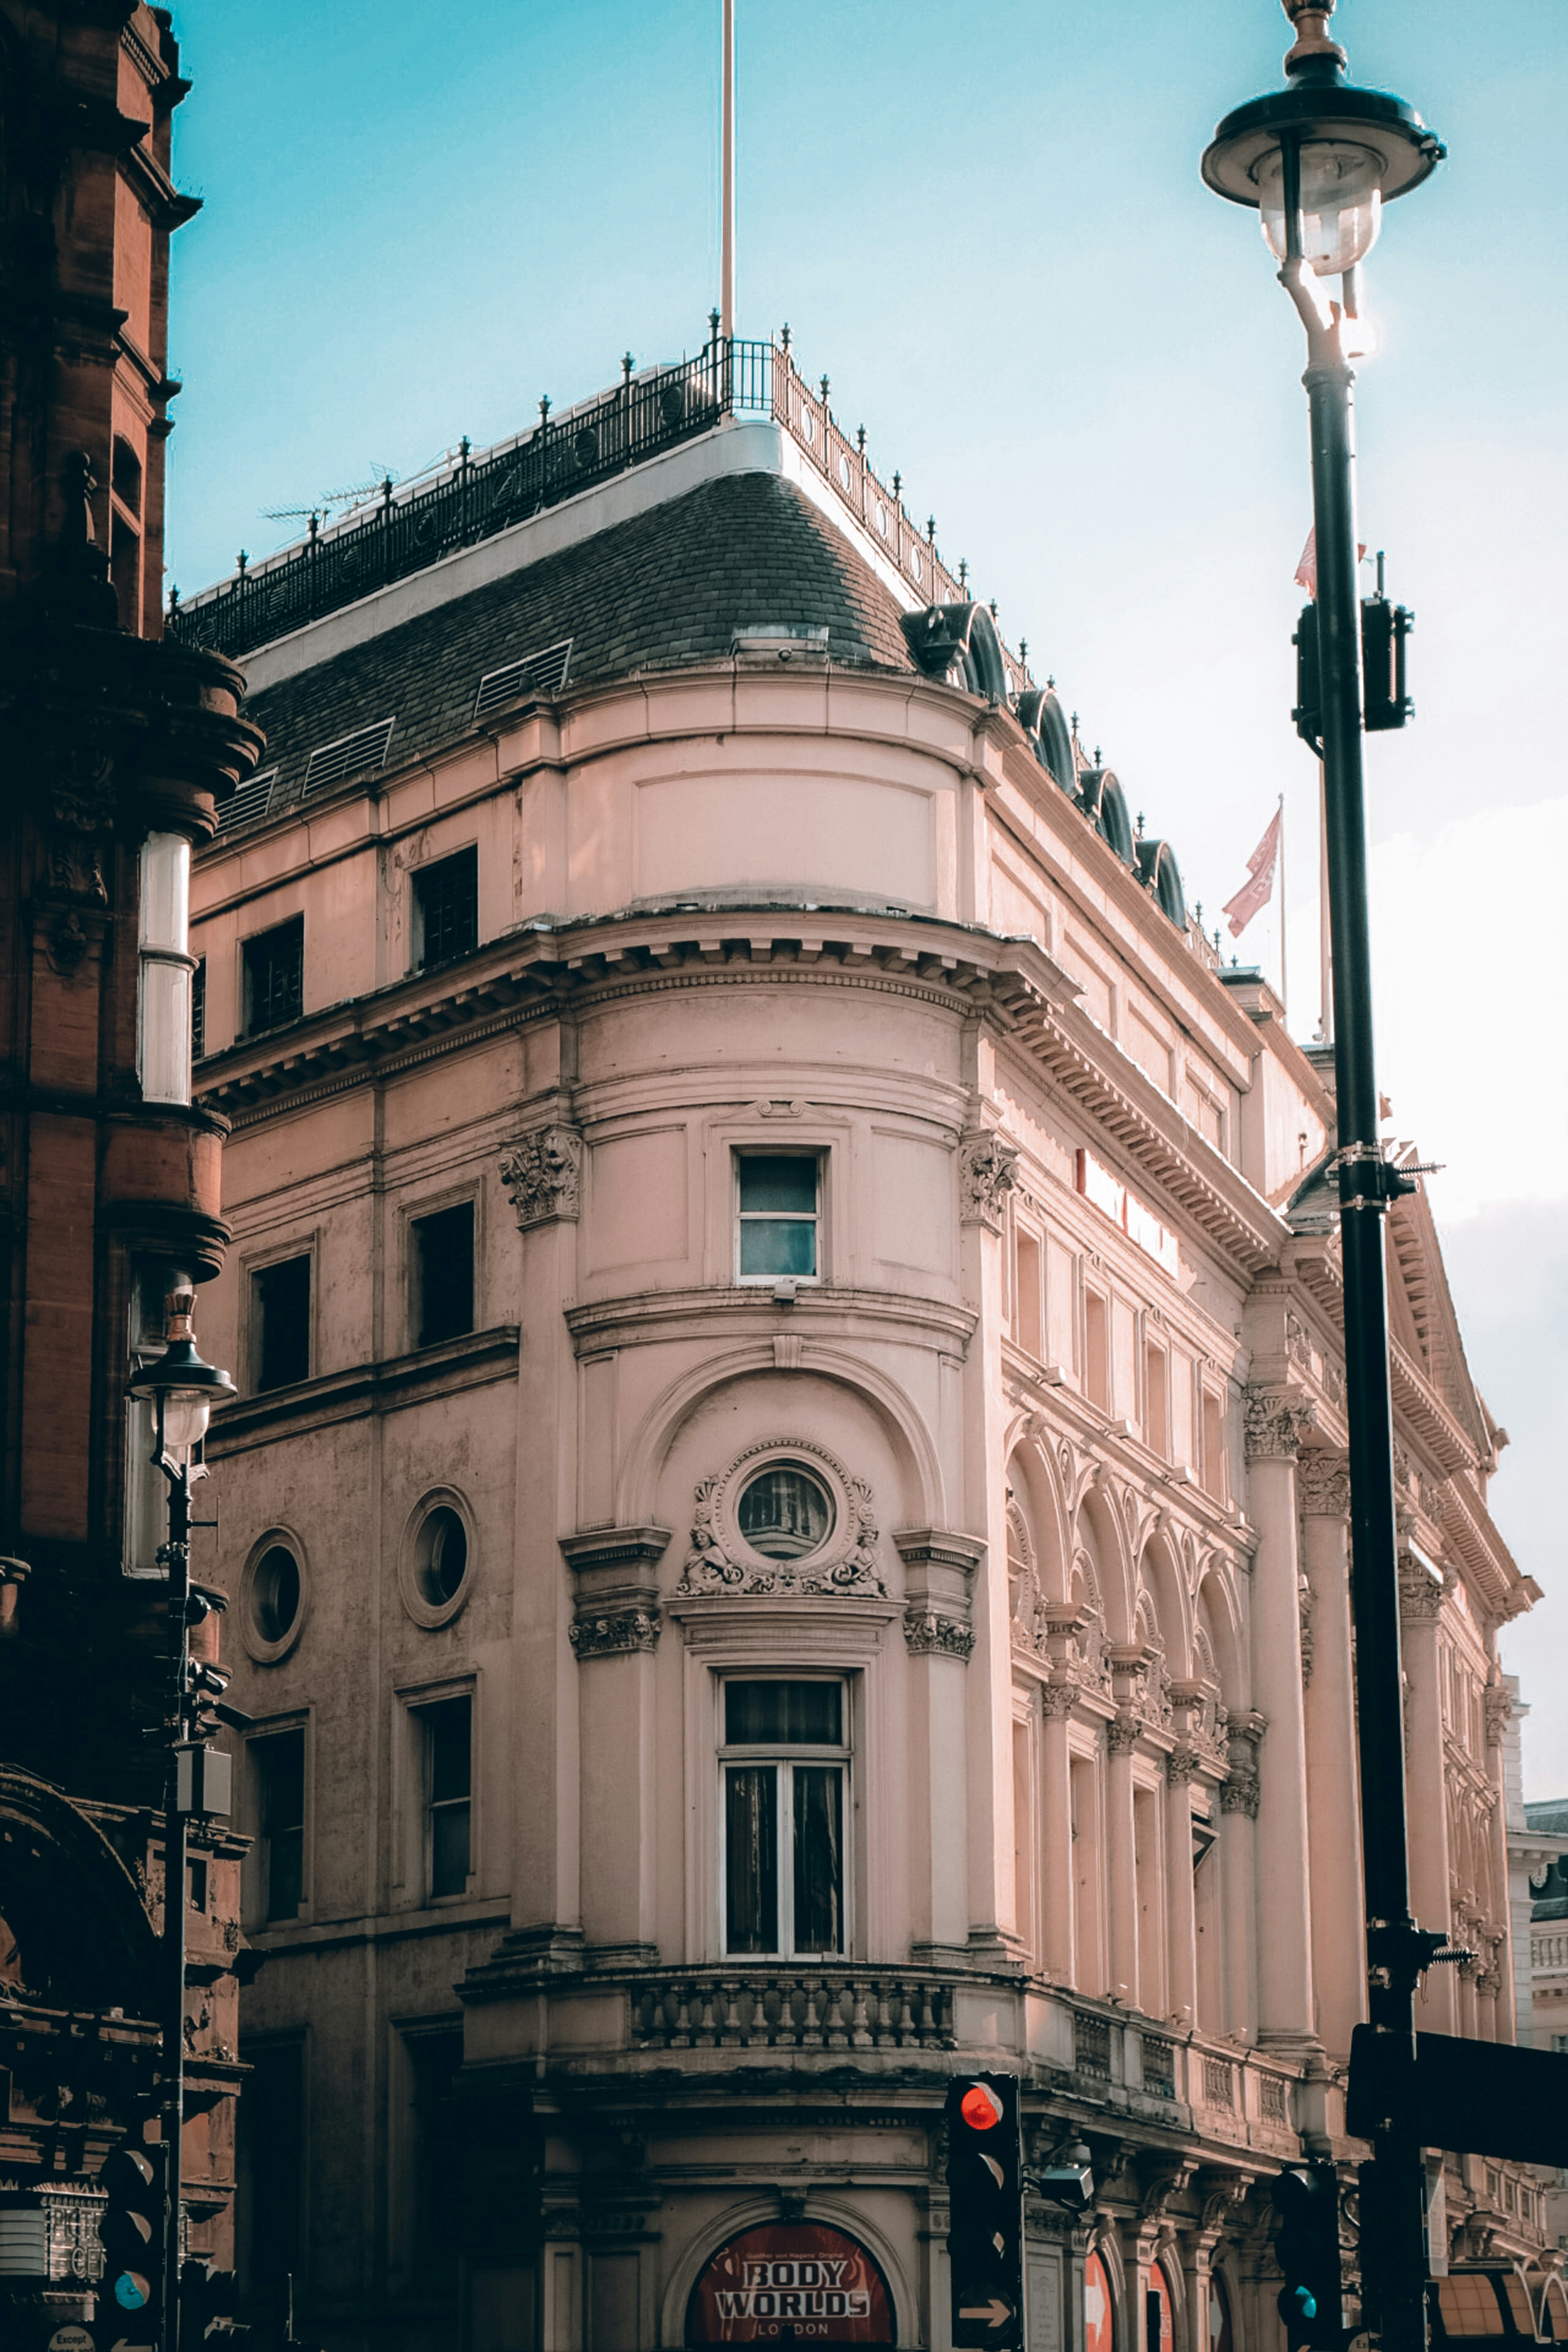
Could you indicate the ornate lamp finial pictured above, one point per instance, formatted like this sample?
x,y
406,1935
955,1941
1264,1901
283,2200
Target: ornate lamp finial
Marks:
x,y
1310,23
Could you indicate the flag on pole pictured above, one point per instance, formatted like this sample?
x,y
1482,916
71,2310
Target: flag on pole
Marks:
x,y
1258,888
1306,570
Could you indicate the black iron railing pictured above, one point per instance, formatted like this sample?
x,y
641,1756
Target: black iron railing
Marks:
x,y
470,499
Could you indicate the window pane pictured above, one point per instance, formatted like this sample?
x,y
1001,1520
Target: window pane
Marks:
x,y
285,1873
450,1730
449,1848
752,1855
163,1056
784,1181
274,974
780,1714
784,1513
165,891
818,1858
281,1762
446,896
280,1309
770,1245
444,1274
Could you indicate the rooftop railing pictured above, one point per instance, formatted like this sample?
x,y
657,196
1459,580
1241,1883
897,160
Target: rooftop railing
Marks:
x,y
470,497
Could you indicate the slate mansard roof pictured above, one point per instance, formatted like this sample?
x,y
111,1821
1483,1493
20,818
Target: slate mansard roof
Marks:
x,y
667,589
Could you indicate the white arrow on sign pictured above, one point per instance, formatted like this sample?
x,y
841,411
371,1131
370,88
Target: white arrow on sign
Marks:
x,y
995,2313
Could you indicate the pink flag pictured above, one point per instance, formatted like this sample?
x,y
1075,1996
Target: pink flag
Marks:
x,y
1306,570
1259,888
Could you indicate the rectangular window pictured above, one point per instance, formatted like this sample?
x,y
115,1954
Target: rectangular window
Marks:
x,y
199,1011
779,1194
278,1758
1026,1316
274,976
441,1269
280,1323
1157,1402
447,1731
445,909
164,1012
438,2141
1097,1349
784,1761
1213,1470
270,2205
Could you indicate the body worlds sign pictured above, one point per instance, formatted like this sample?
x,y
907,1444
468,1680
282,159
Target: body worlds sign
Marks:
x,y
791,2283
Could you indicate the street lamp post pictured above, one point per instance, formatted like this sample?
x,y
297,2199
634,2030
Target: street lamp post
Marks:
x,y
1318,160
181,1390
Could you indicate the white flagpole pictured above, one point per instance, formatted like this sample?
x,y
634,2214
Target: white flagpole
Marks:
x,y
727,174
1284,999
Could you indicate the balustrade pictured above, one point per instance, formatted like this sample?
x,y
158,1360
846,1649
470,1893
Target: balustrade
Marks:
x,y
802,2009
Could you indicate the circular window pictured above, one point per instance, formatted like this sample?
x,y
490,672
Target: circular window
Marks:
x,y
436,1571
443,1558
785,1512
274,1594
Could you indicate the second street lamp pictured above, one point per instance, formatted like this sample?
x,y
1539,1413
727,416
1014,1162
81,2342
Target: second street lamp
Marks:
x,y
182,1389
1318,160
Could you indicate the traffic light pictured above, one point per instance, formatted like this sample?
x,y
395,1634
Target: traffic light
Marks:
x,y
1310,2302
985,2199
204,1686
206,2306
130,2229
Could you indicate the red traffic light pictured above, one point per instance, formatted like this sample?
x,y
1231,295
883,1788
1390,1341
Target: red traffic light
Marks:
x,y
980,2107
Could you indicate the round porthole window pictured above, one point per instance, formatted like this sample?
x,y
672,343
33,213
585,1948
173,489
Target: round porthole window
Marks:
x,y
443,1561
436,1567
273,1594
785,1512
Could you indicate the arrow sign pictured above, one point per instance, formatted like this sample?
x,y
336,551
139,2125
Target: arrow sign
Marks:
x,y
996,2314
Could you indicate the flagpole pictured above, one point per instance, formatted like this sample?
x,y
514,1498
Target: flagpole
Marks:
x,y
727,177
1284,999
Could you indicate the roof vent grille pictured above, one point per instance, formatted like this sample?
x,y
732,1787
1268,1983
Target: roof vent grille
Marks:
x,y
541,673
351,755
252,800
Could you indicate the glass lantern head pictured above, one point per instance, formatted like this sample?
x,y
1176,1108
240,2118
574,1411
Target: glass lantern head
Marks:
x,y
181,1386
1341,203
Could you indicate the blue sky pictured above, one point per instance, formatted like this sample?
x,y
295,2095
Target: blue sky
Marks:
x,y
988,230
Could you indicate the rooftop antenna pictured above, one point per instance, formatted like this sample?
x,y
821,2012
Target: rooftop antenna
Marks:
x,y
727,177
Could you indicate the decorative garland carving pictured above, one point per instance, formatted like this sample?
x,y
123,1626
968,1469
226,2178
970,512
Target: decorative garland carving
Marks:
x,y
985,1165
1305,1601
626,1629
929,1634
721,1560
543,1173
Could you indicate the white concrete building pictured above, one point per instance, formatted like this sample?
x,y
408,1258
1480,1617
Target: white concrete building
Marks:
x,y
788,1512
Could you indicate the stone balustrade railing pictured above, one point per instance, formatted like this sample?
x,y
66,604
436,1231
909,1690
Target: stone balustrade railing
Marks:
x,y
794,2008
1550,1951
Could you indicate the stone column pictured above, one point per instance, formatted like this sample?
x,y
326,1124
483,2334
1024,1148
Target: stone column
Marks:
x,y
1056,1829
1181,1921
1425,1785
1121,1857
1238,1866
1275,1422
1338,1914
614,1635
939,1573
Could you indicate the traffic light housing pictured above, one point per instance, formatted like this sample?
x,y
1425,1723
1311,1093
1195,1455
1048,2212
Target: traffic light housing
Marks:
x,y
206,2306
1310,2302
1383,629
985,2201
131,2229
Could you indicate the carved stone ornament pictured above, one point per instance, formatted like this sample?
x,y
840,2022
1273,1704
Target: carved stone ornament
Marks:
x,y
543,1173
626,1629
1121,1734
929,1634
1323,1484
1420,1593
1498,1703
1239,1789
721,1560
1277,1420
985,1165
68,943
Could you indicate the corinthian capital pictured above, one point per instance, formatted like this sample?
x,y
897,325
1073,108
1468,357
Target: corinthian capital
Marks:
x,y
1323,1484
1277,1420
543,1173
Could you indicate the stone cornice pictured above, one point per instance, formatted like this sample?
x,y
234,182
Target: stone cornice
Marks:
x,y
825,1310
361,1389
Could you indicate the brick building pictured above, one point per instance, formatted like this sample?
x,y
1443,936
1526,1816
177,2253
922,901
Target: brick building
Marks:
x,y
113,747
787,1511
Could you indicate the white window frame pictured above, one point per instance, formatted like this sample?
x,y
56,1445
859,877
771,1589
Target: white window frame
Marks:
x,y
255,1889
410,1795
741,1218
783,1756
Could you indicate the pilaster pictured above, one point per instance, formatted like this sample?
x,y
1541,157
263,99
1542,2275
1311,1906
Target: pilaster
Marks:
x,y
1339,1916
1276,1421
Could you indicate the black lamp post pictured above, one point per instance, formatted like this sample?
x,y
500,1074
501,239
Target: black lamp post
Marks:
x,y
1318,160
181,1390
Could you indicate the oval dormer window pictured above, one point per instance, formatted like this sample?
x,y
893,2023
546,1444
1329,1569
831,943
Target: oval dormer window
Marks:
x,y
785,1512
